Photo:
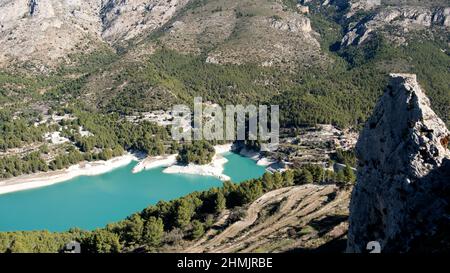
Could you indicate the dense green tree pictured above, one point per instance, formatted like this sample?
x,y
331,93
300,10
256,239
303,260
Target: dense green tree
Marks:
x,y
133,230
268,181
183,213
250,190
220,202
16,132
303,176
198,229
346,157
153,231
288,178
317,172
340,177
198,152
101,241
14,165
277,180
349,175
106,154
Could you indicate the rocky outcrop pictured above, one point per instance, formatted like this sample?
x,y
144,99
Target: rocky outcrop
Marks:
x,y
265,32
394,18
442,17
296,23
403,19
262,32
402,197
357,5
351,5
44,32
124,20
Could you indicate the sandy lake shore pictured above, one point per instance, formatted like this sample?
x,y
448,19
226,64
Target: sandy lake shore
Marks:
x,y
31,181
215,169
152,162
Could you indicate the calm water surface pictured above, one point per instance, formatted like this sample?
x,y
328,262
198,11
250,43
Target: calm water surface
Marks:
x,y
89,202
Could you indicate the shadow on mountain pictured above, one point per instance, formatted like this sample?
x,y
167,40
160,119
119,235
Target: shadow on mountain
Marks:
x,y
325,225
337,245
439,240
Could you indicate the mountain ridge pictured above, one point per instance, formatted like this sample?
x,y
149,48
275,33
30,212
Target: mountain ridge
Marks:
x,y
249,50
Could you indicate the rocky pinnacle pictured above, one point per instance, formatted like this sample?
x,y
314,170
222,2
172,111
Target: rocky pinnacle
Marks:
x,y
402,196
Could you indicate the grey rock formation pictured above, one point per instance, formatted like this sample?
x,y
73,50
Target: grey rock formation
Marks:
x,y
47,31
402,197
296,23
403,19
236,32
124,20
44,31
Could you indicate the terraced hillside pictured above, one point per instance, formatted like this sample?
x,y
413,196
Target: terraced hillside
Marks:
x,y
300,218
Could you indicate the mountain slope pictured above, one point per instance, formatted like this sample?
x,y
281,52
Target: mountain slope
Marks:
x,y
148,55
47,32
262,32
42,31
125,20
303,218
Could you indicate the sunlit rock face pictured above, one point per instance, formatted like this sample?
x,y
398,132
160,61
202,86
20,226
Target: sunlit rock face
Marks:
x,y
46,32
124,20
402,196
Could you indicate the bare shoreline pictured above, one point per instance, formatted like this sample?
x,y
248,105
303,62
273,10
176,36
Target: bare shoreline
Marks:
x,y
155,162
215,168
37,180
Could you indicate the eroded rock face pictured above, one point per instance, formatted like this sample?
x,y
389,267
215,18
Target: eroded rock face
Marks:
x,y
296,23
402,195
46,33
403,18
124,20
46,30
260,32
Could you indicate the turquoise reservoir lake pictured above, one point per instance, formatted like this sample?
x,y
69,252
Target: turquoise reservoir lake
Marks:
x,y
92,202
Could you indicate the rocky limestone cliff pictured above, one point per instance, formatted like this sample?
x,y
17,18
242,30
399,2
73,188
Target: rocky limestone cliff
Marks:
x,y
402,197
404,19
44,32
396,19
262,32
124,20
